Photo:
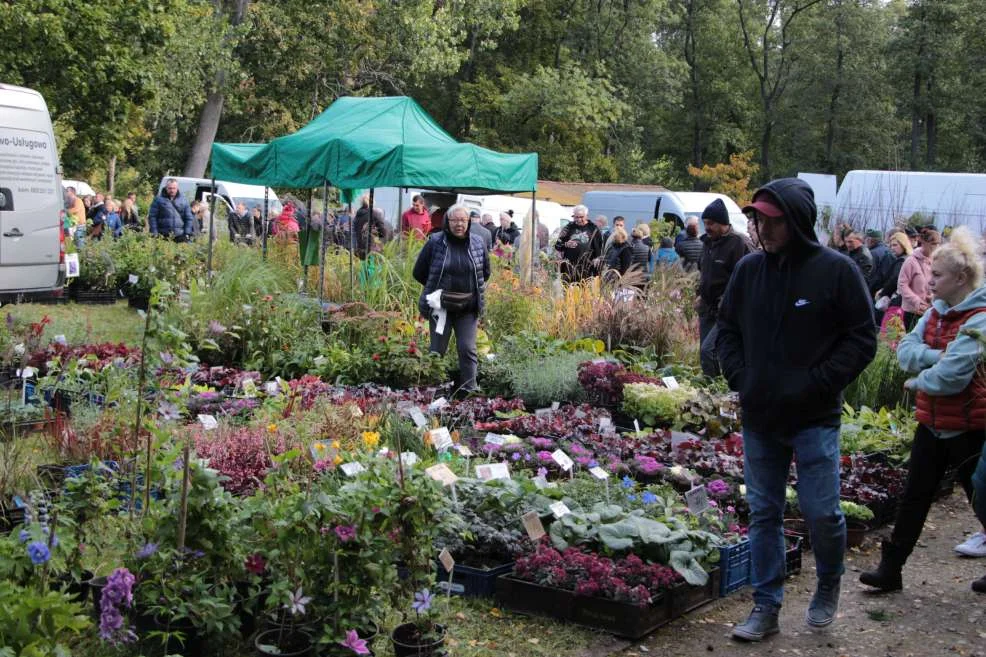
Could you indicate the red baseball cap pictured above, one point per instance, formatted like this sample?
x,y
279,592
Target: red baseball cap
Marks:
x,y
764,205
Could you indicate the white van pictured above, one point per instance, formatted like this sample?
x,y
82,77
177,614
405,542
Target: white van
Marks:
x,y
81,187
878,199
637,207
32,242
228,194
394,201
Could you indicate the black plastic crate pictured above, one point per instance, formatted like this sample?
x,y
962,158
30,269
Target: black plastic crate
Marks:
x,y
473,582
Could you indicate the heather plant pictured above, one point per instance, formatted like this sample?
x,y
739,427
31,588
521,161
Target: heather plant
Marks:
x,y
624,579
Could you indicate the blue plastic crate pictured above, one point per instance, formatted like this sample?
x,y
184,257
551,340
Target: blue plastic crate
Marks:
x,y
734,565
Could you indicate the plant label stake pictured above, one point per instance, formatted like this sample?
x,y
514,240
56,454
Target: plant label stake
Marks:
x,y
408,458
442,474
490,471
441,439
564,462
540,482
602,476
670,382
448,563
697,499
605,423
437,405
555,406
559,509
533,525
418,417
208,422
636,425
132,279
542,413
494,439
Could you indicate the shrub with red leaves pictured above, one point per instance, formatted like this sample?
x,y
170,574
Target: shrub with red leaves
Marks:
x,y
241,455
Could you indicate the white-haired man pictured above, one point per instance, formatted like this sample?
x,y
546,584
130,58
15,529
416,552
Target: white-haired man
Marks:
x,y
579,243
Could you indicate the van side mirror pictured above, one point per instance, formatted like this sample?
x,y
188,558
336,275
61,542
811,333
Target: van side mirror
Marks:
x,y
6,200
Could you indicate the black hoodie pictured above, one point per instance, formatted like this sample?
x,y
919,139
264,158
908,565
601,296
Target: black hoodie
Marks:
x,y
795,328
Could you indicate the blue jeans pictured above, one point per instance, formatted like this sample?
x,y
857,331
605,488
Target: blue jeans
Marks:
x,y
766,462
979,488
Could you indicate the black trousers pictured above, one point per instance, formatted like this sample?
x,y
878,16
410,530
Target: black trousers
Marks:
x,y
931,457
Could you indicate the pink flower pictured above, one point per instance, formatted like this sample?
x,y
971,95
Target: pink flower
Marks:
x,y
256,564
345,533
354,643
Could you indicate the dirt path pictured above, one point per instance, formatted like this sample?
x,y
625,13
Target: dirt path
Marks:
x,y
936,613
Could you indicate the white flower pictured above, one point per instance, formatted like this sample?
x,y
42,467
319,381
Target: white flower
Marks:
x,y
297,602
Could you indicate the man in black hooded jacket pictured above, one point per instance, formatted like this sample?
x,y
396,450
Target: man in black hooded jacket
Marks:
x,y
795,328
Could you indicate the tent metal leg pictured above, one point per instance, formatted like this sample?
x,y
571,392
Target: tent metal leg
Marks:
x,y
321,254
212,230
534,233
266,224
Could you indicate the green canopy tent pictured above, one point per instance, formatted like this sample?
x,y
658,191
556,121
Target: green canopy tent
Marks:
x,y
375,142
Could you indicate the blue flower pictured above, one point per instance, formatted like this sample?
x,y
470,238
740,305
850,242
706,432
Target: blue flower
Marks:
x,y
38,552
422,601
593,463
516,456
24,536
648,497
631,497
627,482
146,551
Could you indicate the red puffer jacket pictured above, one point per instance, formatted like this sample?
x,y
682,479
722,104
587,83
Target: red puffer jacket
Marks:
x,y
965,411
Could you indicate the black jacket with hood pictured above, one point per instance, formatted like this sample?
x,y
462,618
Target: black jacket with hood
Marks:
x,y
795,328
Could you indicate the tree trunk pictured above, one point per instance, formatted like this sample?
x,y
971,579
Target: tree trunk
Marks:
x,y
212,111
931,136
836,91
916,122
111,176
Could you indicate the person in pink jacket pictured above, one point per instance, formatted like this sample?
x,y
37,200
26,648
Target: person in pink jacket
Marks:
x,y
914,276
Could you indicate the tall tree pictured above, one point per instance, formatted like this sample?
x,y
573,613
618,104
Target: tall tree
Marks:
x,y
766,29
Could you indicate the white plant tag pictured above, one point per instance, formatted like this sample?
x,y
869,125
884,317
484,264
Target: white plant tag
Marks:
x,y
540,482
562,459
541,413
446,559
494,439
409,458
442,474
464,451
599,473
533,525
555,406
697,499
441,439
271,387
208,422
491,471
559,509
352,469
437,405
670,382
132,279
418,417
636,425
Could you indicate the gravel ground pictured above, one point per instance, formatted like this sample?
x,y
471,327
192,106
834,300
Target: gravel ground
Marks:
x,y
936,613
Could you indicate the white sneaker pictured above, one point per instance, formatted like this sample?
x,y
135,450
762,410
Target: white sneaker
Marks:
x,y
975,546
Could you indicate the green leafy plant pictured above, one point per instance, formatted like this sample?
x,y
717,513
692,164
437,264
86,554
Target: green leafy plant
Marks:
x,y
654,405
854,511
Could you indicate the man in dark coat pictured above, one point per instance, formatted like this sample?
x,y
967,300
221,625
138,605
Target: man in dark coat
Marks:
x,y
883,260
170,214
579,244
507,232
722,248
689,248
860,255
795,328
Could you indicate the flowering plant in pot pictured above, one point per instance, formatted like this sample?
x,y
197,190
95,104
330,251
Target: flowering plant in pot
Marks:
x,y
422,635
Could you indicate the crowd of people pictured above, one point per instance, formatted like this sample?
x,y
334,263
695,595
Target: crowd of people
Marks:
x,y
95,216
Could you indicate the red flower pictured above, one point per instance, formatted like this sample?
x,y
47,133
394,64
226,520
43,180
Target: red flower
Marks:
x,y
411,350
256,564
376,356
413,343
382,338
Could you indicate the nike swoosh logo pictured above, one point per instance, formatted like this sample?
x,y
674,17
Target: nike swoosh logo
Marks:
x,y
801,302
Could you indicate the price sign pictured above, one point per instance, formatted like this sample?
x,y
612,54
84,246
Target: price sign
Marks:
x,y
208,422
533,525
491,471
352,469
562,459
442,474
670,382
697,499
441,439
559,509
599,473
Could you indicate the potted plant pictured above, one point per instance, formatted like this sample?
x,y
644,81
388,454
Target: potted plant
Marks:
x,y
857,517
96,281
421,636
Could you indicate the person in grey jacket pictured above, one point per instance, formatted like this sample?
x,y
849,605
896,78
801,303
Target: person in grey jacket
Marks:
x,y
690,247
170,214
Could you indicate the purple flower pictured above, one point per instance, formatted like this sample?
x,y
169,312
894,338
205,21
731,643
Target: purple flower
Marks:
x,y
215,328
117,592
593,463
422,601
38,552
717,488
146,551
24,536
648,465
297,601
489,447
166,357
354,643
545,456
345,533
515,456
542,472
542,443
